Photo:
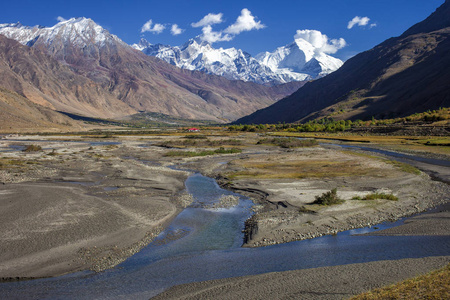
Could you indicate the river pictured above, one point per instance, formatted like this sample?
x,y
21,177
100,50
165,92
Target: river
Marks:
x,y
204,244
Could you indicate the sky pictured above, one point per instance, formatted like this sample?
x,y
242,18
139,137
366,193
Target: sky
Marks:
x,y
341,28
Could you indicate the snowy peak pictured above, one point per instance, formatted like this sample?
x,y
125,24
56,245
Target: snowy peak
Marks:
x,y
294,62
76,31
300,57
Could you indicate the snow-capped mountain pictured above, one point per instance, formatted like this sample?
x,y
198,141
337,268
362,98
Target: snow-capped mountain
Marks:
x,y
79,67
300,57
231,63
77,31
295,62
70,41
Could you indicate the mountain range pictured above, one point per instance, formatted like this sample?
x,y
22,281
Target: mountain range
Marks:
x,y
297,61
399,77
79,67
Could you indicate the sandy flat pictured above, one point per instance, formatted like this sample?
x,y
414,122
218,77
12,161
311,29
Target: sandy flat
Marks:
x,y
337,282
83,208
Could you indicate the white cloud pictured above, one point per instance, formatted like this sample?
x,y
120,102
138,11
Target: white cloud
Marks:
x,y
209,19
373,25
175,30
358,21
211,36
245,22
320,41
60,19
156,28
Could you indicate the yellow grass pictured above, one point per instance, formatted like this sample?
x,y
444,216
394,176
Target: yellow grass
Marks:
x,y
303,169
434,285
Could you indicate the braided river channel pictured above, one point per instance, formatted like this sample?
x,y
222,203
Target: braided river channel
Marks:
x,y
204,243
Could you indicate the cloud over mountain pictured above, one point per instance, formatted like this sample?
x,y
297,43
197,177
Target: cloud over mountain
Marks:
x,y
175,30
209,19
320,41
153,28
360,21
245,22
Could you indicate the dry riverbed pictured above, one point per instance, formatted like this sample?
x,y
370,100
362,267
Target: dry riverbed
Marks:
x,y
76,205
81,205
285,184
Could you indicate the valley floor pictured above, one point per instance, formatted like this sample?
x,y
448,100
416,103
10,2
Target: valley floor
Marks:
x,y
89,203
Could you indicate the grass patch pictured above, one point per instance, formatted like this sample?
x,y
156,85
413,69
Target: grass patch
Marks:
x,y
9,164
289,142
32,148
221,150
298,169
195,141
328,198
444,141
404,167
110,147
360,154
196,137
434,285
375,196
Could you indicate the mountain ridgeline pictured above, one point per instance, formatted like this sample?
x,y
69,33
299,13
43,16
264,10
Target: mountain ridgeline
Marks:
x,y
79,67
399,77
297,61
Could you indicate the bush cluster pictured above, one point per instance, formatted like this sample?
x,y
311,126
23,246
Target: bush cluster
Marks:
x,y
328,198
32,148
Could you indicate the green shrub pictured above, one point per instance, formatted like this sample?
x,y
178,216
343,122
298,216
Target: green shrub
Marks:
x,y
32,148
328,198
375,196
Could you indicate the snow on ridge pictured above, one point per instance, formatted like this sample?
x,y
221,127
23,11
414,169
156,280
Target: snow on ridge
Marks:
x,y
294,62
297,61
78,31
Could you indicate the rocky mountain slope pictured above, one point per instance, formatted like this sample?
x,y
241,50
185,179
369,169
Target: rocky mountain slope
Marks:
x,y
20,114
297,61
45,81
111,79
399,77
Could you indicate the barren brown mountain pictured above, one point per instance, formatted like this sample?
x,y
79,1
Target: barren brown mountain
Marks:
x,y
399,77
43,80
98,75
18,114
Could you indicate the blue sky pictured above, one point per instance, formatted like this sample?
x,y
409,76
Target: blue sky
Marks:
x,y
264,25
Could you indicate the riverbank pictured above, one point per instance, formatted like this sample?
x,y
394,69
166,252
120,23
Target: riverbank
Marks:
x,y
285,183
338,282
77,205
